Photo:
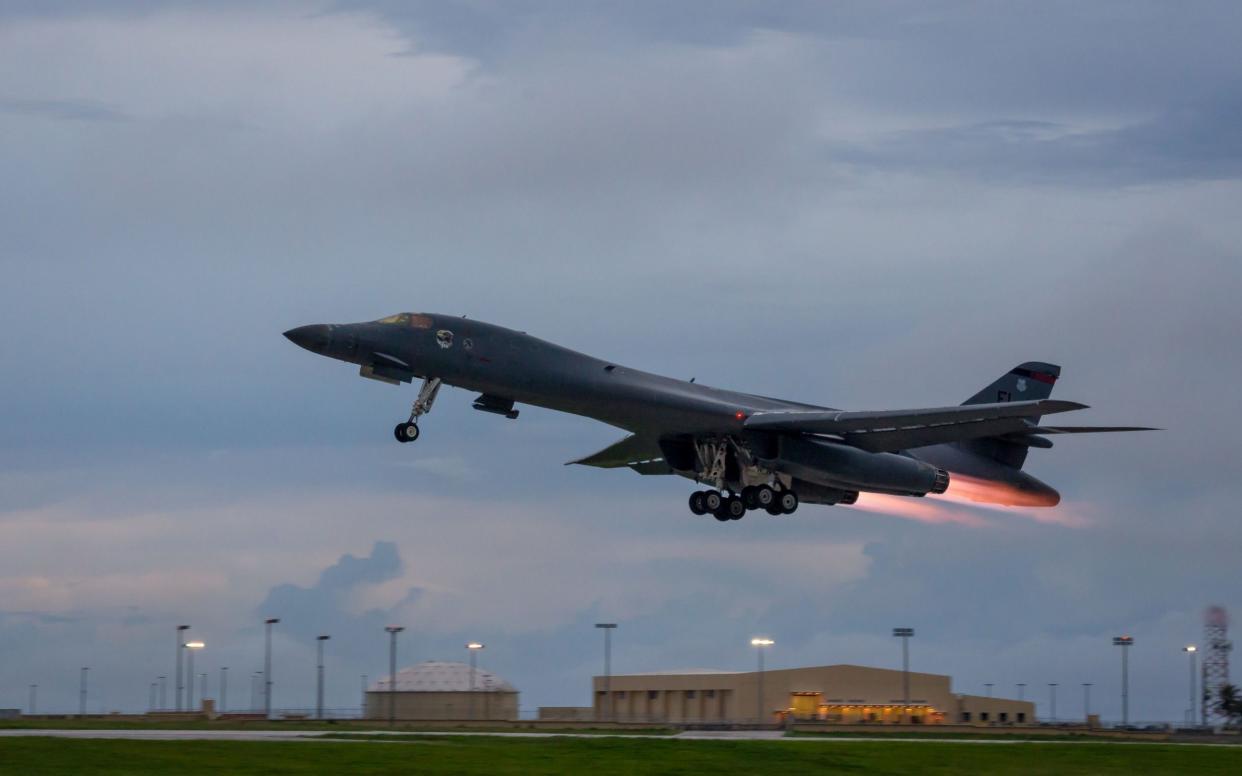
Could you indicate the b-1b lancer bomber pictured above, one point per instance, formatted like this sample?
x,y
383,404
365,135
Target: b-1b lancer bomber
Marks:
x,y
753,452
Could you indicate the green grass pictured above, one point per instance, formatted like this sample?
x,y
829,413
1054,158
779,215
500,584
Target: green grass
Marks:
x,y
600,757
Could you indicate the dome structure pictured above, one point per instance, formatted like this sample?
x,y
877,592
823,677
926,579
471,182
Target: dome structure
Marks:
x,y
443,676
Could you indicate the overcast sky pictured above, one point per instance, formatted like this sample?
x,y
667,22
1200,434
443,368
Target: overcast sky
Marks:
x,y
856,204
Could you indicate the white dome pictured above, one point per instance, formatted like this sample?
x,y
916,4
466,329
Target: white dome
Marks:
x,y
438,676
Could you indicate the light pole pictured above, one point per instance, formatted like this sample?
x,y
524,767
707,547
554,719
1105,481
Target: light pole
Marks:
x,y
34,698
1021,691
608,628
1191,649
1052,691
393,630
904,634
192,646
319,640
1086,701
473,647
267,666
1125,642
989,686
759,644
82,693
181,629
164,690
224,688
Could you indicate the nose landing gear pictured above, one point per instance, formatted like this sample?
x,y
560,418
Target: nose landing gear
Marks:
x,y
408,431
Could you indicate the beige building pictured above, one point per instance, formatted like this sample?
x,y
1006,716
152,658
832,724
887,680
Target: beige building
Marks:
x,y
842,693
442,691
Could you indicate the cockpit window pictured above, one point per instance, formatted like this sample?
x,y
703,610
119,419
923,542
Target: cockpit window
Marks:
x,y
413,320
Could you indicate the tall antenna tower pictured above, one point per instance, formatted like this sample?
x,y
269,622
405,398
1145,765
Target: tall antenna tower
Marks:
x,y
1216,648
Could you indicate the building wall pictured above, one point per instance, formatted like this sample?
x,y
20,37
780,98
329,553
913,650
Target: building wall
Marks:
x,y
443,705
840,693
981,710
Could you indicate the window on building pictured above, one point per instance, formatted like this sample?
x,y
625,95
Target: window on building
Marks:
x,y
1022,716
965,716
1004,716
983,716
709,693
653,694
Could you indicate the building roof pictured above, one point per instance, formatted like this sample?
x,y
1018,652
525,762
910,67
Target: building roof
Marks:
x,y
441,676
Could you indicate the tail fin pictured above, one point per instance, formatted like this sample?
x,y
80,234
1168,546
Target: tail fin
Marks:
x,y
1031,380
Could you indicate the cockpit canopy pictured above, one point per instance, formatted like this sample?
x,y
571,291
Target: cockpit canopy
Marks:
x,y
412,320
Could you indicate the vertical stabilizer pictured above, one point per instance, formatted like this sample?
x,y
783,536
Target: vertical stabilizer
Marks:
x,y
1029,381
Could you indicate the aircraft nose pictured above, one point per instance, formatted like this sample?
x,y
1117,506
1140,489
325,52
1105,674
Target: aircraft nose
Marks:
x,y
315,337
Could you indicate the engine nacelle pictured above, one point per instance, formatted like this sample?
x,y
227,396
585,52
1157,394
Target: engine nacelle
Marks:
x,y
846,468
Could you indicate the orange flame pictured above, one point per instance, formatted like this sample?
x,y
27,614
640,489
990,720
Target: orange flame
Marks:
x,y
968,501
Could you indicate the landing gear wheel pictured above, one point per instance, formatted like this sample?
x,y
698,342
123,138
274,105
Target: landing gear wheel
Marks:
x,y
734,508
774,510
721,515
765,497
696,503
406,432
748,497
712,501
788,502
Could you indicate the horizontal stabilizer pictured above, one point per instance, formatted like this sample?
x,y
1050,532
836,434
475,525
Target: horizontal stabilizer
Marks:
x,y
1086,429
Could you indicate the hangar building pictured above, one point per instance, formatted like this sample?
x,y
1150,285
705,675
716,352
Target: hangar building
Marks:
x,y
443,691
845,694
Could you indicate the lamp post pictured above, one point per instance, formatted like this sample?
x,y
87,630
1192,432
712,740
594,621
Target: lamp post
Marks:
x,y
759,644
224,688
1190,650
34,698
1021,691
164,689
1086,701
82,692
181,629
473,647
192,647
1052,691
989,686
393,630
1125,642
905,634
267,666
608,628
319,677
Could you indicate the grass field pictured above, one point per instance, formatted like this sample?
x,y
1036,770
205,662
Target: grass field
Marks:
x,y
599,757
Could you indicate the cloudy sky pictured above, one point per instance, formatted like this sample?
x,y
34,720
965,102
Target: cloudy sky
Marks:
x,y
857,204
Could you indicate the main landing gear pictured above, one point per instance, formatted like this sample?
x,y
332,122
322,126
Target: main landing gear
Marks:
x,y
408,431
731,506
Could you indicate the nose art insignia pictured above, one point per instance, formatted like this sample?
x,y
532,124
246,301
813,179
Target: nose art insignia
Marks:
x,y
444,338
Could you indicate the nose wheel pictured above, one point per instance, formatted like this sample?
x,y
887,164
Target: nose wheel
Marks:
x,y
408,431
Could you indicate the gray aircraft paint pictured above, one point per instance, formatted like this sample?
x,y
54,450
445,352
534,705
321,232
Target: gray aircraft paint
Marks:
x,y
823,452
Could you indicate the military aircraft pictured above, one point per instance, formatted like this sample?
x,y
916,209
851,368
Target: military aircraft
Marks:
x,y
752,452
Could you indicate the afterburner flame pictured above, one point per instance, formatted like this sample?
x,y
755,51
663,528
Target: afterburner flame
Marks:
x,y
971,501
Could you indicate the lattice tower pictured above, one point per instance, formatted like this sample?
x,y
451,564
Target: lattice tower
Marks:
x,y
1216,648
